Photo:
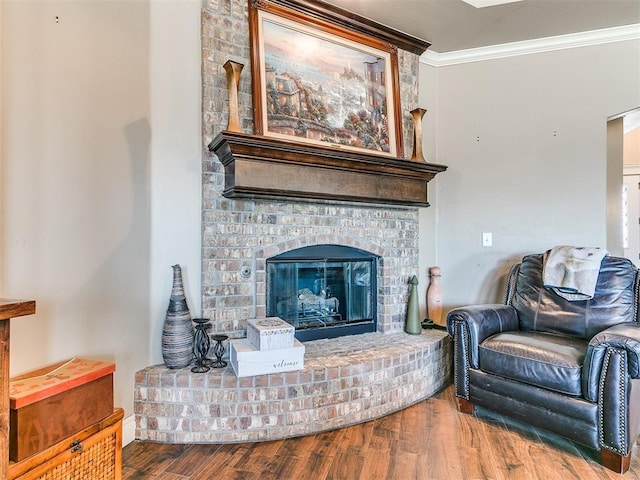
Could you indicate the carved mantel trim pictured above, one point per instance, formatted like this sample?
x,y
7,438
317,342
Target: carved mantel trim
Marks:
x,y
263,167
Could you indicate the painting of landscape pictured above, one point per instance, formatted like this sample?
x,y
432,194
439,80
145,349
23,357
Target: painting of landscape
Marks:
x,y
320,89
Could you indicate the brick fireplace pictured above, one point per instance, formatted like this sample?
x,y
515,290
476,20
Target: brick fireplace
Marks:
x,y
240,234
345,380
237,244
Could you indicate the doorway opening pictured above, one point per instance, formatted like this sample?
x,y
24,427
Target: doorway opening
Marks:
x,y
624,144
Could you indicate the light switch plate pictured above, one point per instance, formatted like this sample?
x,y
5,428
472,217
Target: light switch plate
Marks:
x,y
487,239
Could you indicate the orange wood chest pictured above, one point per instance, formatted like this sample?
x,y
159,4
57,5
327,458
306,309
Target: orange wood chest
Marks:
x,y
50,404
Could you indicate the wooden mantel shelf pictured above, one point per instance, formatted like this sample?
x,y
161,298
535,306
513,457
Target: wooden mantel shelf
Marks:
x,y
259,166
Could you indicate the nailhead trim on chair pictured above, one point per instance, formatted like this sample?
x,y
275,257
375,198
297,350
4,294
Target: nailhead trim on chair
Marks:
x,y
463,337
637,290
510,286
621,391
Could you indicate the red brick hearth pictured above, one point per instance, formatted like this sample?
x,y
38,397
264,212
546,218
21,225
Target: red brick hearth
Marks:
x,y
345,381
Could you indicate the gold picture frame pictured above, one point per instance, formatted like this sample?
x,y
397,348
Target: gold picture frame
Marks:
x,y
320,83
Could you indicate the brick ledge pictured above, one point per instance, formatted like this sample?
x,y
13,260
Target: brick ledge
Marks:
x,y
345,381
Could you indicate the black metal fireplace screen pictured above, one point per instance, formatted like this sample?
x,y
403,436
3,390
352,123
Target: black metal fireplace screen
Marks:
x,y
324,291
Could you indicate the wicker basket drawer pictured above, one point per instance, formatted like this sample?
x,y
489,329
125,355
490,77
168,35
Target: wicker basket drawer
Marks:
x,y
93,454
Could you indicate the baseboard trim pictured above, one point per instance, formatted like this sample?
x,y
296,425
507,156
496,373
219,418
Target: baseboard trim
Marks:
x,y
128,430
631,169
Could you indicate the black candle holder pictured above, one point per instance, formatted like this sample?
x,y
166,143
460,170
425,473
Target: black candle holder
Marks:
x,y
218,351
201,344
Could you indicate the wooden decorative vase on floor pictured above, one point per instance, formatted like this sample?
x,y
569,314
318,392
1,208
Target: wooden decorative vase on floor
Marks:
x,y
434,296
177,333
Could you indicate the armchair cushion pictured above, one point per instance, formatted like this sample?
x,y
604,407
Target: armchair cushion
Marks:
x,y
542,359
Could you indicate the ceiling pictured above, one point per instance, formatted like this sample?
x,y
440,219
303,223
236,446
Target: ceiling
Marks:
x,y
451,25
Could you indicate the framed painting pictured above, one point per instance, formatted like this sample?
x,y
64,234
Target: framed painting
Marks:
x,y
320,83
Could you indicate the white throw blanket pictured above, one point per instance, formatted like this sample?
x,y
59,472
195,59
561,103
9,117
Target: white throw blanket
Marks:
x,y
572,272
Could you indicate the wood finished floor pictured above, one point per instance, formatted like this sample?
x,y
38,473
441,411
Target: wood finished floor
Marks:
x,y
430,440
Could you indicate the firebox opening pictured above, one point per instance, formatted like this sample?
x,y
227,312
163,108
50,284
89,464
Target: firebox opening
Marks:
x,y
324,291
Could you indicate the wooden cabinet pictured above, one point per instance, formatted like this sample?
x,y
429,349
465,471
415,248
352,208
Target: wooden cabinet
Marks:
x,y
93,454
52,403
8,309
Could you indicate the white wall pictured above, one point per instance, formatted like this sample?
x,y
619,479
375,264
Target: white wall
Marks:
x,y
525,139
100,176
176,178
428,217
615,171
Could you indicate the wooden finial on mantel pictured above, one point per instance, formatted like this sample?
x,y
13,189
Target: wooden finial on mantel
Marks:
x,y
233,70
417,114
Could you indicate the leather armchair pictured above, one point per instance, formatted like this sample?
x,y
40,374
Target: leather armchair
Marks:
x,y
569,367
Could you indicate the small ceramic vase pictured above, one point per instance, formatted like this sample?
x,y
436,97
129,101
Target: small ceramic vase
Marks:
x,y
413,310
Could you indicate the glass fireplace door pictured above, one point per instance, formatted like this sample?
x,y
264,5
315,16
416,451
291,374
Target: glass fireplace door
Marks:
x,y
323,298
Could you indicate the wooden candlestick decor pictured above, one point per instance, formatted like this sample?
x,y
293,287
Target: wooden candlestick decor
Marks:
x,y
233,70
417,114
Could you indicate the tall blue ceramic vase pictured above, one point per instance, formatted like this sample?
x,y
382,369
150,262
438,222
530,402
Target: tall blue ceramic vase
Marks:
x,y
177,332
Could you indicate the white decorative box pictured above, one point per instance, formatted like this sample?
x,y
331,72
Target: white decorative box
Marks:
x,y
247,361
270,333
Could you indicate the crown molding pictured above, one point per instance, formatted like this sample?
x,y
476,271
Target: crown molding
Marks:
x,y
527,47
